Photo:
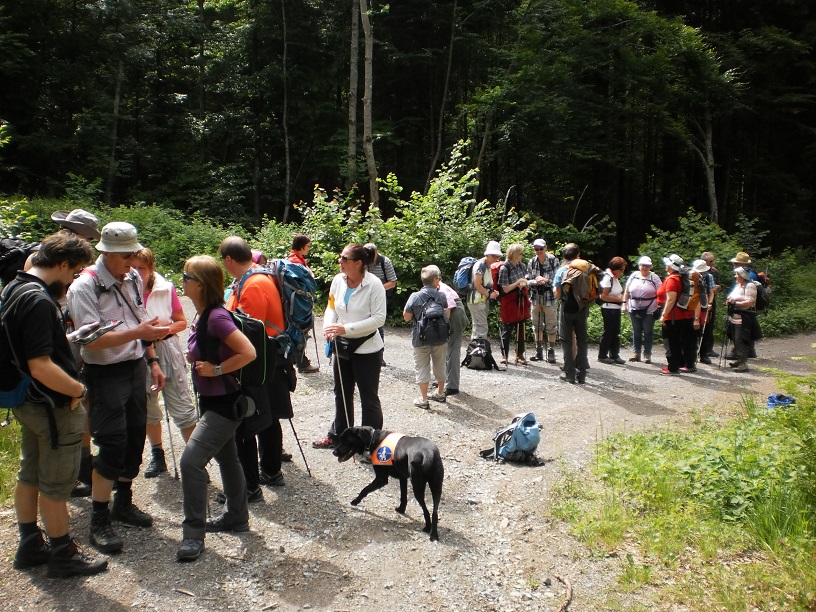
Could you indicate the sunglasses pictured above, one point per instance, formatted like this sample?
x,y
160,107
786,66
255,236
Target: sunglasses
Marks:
x,y
539,248
343,258
186,277
128,255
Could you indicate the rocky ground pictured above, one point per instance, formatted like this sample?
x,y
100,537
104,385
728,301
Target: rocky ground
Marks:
x,y
498,549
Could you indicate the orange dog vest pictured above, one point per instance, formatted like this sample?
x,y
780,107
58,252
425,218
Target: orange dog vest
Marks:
x,y
384,453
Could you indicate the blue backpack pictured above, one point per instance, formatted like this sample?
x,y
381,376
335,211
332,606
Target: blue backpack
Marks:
x,y
463,277
297,289
518,441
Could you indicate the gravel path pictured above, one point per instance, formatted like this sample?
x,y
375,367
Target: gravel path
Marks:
x,y
308,548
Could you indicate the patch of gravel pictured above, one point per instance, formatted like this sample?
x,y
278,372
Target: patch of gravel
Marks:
x,y
309,549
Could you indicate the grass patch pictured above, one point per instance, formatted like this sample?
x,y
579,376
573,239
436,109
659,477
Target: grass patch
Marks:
x,y
9,460
721,514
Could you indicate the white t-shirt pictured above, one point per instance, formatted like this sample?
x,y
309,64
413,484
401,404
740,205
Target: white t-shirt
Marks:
x,y
615,290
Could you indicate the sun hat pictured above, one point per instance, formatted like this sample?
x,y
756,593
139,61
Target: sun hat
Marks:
x,y
700,266
256,256
119,237
741,258
742,272
674,261
645,261
540,242
493,248
78,221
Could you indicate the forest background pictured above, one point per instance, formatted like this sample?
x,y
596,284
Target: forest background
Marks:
x,y
606,113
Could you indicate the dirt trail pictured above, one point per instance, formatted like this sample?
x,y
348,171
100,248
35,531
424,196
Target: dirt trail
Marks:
x,y
309,549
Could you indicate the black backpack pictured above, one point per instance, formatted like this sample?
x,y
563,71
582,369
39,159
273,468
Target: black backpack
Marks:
x,y
434,327
13,255
256,372
479,356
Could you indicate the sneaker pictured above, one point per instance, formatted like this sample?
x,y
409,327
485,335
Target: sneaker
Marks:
x,y
731,356
521,360
667,372
647,359
190,549
274,480
683,370
104,538
157,464
618,360
222,523
325,442
635,357
253,497
551,356
743,367
309,369
438,397
130,515
33,550
70,560
450,391
606,360
502,360
81,489
421,403
286,457
705,360
539,355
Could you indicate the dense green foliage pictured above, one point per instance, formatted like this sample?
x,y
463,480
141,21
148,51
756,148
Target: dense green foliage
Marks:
x,y
740,489
574,110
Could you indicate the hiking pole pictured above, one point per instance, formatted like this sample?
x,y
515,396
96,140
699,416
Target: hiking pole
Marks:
x,y
172,448
724,346
314,337
292,425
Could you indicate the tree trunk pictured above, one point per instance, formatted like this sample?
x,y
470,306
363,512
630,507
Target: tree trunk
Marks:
x,y
368,138
288,178
704,146
354,58
114,131
441,124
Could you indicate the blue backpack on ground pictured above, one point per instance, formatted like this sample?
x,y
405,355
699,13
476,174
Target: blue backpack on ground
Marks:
x,y
516,442
297,289
463,277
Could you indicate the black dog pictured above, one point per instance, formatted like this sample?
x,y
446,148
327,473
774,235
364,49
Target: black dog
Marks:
x,y
409,457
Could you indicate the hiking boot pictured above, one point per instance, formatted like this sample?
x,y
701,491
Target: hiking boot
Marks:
x,y
705,360
130,515
551,355
81,489
521,360
309,369
539,356
190,549
274,480
103,537
741,367
606,360
286,457
70,560
32,551
647,359
222,523
569,379
635,357
253,497
618,360
580,378
157,464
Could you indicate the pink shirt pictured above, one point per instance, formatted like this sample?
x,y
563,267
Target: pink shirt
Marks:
x,y
449,294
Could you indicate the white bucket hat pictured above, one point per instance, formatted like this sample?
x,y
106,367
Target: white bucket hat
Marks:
x,y
674,261
645,261
493,248
700,266
119,237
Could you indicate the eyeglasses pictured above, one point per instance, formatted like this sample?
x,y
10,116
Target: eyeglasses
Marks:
x,y
128,255
186,277
343,258
539,248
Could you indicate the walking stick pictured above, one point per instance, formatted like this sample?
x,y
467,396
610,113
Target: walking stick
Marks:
x,y
317,353
292,425
724,346
172,448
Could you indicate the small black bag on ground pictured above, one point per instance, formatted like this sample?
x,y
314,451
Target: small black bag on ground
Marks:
x,y
479,355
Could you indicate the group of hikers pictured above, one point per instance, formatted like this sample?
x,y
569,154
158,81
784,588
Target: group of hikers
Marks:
x,y
90,341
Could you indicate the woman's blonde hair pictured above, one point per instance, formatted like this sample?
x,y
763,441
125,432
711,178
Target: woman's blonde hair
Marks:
x,y
515,250
207,271
146,256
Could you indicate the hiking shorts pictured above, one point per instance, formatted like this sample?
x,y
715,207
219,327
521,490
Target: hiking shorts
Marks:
x,y
427,356
52,471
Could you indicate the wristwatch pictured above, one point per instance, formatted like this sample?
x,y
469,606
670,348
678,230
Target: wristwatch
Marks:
x,y
218,370
152,360
84,393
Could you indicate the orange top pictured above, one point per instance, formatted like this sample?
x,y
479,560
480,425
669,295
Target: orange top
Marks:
x,y
260,300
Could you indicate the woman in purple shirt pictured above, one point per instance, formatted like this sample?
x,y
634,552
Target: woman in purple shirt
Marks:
x,y
216,349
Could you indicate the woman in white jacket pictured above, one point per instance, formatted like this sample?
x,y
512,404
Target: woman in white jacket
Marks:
x,y
162,301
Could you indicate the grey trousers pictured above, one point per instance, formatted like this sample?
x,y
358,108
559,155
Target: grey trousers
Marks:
x,y
453,357
213,437
478,316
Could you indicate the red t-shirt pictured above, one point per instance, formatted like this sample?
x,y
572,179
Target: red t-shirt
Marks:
x,y
673,284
